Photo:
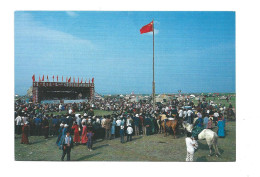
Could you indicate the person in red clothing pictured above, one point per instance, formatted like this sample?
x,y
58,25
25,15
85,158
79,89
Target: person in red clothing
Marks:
x,y
76,138
25,133
84,138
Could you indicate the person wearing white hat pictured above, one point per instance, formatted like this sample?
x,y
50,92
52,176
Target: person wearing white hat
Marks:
x,y
64,130
84,120
84,138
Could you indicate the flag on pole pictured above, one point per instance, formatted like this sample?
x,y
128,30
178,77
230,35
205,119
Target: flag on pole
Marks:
x,y
69,80
57,78
89,80
93,80
53,78
43,78
74,79
47,78
39,79
62,79
147,28
78,79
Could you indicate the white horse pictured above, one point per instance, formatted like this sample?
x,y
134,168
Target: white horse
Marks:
x,y
210,136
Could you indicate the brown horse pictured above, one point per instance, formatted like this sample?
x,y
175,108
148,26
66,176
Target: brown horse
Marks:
x,y
170,124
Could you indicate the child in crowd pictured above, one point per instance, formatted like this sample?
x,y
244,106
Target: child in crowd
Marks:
x,y
90,137
191,145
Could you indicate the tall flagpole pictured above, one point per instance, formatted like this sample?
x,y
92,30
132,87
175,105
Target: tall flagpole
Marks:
x,y
153,72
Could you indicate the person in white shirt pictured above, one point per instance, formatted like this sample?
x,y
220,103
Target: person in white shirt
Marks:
x,y
118,124
185,114
84,119
129,132
18,121
215,119
191,145
189,112
60,108
180,113
70,111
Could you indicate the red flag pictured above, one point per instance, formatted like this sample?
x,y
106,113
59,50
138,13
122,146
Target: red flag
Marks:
x,y
89,80
93,80
43,78
57,78
47,78
39,79
62,78
53,78
74,79
78,79
147,28
69,80
33,78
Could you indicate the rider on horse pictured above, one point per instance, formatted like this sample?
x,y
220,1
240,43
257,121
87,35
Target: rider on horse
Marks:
x,y
164,118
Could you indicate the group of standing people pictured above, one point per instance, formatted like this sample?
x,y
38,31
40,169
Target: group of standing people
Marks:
x,y
128,119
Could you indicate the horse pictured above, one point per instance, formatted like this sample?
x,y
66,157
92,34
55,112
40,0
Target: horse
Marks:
x,y
210,136
170,124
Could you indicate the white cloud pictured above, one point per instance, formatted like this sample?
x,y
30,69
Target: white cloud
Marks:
x,y
71,13
27,28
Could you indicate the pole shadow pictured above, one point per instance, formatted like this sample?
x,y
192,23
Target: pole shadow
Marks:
x,y
87,157
97,147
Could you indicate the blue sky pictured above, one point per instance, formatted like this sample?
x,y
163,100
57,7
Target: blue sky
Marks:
x,y
194,51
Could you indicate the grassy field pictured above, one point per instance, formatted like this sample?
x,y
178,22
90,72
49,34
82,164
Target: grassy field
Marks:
x,y
142,148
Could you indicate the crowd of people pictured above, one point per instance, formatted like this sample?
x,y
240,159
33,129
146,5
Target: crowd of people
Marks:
x,y
128,119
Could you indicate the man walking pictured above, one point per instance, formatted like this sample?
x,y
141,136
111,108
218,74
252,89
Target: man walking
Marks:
x,y
66,145
107,125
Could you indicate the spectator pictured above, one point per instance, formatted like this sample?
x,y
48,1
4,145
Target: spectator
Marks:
x,y
90,143
66,145
122,134
25,133
129,132
191,145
